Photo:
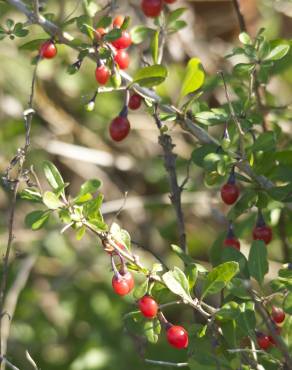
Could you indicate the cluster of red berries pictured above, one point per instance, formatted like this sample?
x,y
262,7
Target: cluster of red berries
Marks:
x,y
153,8
229,194
118,46
265,341
120,126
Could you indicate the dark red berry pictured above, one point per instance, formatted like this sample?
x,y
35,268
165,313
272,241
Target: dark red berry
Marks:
x,y
232,242
118,21
120,285
262,233
229,193
123,42
135,101
263,341
169,1
177,337
151,8
278,315
100,32
119,128
102,74
148,306
48,50
122,59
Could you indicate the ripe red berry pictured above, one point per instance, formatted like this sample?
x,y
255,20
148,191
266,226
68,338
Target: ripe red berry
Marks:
x,y
151,8
177,337
48,50
169,1
118,21
263,341
135,101
229,193
122,59
130,280
262,233
123,42
119,128
278,315
148,306
120,285
102,74
232,242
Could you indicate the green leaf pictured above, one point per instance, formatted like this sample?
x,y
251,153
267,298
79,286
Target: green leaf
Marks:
x,y
151,76
104,22
36,219
176,26
174,15
265,142
80,232
98,224
53,175
19,31
246,320
152,329
278,52
141,290
258,265
112,35
287,304
9,23
155,47
245,38
84,23
90,186
200,153
181,254
31,194
51,200
194,77
140,34
191,272
177,283
219,277
232,254
32,45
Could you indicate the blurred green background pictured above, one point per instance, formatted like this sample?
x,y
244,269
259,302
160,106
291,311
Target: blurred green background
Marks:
x,y
67,316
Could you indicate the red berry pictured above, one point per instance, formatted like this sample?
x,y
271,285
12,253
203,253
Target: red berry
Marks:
x,y
151,8
135,102
148,306
262,233
278,315
119,128
120,285
118,21
229,193
48,50
122,59
232,242
102,74
130,280
169,1
123,42
177,337
263,341
278,332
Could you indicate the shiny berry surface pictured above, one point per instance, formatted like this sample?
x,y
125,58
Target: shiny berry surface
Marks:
x,y
102,74
177,337
263,341
148,306
232,242
229,193
151,8
122,59
123,42
48,50
120,285
262,233
278,315
119,128
135,102
118,21
130,280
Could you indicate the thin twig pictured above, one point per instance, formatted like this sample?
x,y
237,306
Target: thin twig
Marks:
x,y
31,360
164,363
8,363
240,17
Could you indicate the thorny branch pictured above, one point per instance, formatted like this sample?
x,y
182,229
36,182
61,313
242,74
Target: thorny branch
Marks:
x,y
167,145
